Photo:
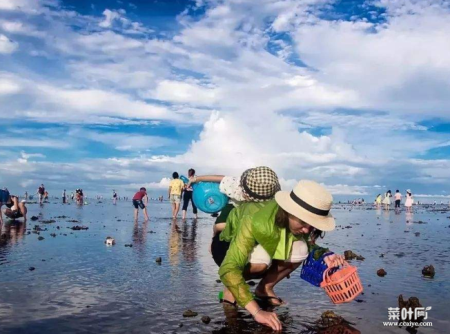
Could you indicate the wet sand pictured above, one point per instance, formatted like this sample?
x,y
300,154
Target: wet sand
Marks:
x,y
80,285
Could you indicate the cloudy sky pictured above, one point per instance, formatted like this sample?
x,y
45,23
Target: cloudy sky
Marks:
x,y
107,94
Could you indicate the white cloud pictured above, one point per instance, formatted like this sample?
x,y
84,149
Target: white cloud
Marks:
x,y
7,46
238,60
27,156
8,86
26,142
188,92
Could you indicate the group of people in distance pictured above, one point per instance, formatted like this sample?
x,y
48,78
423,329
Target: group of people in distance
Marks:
x,y
386,201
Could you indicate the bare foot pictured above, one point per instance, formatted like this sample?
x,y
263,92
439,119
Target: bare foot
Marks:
x,y
265,291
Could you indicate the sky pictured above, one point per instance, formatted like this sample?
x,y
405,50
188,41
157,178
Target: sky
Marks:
x,y
108,94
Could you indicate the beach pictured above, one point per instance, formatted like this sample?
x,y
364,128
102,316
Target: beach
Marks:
x,y
79,284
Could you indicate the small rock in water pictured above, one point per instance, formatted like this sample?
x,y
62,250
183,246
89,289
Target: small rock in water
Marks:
x,y
206,319
428,271
158,260
381,272
34,218
73,221
79,228
218,281
110,241
128,245
411,304
50,221
349,255
328,319
53,235
381,255
40,238
31,268
417,234
189,313
251,283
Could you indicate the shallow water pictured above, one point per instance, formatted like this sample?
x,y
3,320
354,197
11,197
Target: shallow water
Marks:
x,y
81,285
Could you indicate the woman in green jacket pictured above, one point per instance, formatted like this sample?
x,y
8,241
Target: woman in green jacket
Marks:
x,y
271,239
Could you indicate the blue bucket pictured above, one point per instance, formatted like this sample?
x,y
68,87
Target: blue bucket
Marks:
x,y
208,198
312,270
184,179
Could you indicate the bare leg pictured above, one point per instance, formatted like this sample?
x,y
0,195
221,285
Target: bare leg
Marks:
x,y
277,271
136,213
173,210
177,208
184,214
251,271
145,214
24,211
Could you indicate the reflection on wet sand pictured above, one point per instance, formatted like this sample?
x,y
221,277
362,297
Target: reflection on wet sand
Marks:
x,y
10,234
174,244
12,231
140,233
189,240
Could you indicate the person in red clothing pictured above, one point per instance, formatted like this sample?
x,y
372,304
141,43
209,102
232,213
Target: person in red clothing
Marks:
x,y
138,201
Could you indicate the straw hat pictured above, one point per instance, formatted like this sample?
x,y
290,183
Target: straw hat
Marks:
x,y
310,202
260,183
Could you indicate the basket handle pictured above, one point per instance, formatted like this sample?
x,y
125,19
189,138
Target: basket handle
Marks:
x,y
323,255
326,276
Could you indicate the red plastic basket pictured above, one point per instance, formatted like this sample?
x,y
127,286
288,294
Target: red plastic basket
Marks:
x,y
342,286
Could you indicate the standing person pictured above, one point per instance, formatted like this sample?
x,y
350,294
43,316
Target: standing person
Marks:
x,y
398,199
26,195
175,189
46,196
64,196
140,200
114,197
41,193
188,196
387,200
409,201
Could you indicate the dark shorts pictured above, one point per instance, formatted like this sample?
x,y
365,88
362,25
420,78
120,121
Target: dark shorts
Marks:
x,y
138,204
13,214
219,249
397,203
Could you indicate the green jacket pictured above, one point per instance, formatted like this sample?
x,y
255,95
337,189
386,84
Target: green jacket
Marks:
x,y
247,226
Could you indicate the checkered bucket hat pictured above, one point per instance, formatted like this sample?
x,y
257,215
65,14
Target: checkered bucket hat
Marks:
x,y
260,183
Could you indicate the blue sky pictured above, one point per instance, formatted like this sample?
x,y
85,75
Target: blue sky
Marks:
x,y
114,95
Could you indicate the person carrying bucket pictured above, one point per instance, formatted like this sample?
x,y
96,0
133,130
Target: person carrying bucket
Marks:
x,y
187,196
269,240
